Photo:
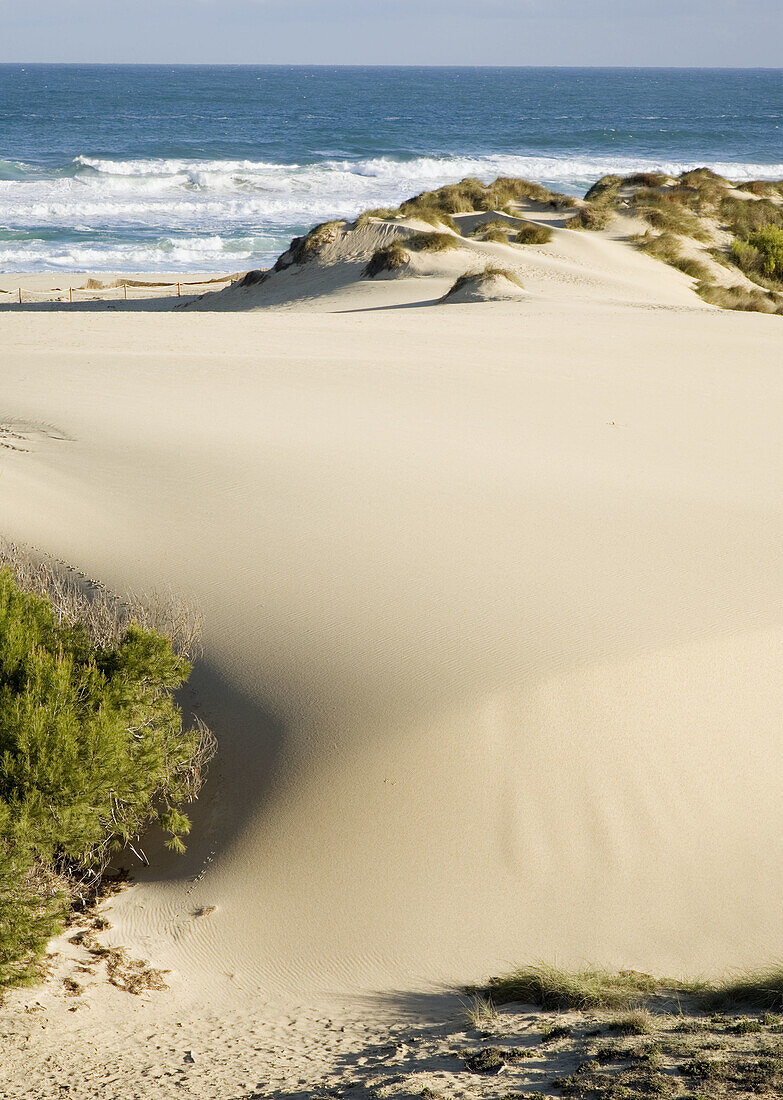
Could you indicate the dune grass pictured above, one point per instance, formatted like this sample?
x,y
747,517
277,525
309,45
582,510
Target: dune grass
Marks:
x,y
556,989
430,242
666,247
553,988
591,217
390,258
381,213
531,233
476,278
743,298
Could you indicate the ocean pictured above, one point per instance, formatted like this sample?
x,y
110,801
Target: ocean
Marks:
x,y
210,168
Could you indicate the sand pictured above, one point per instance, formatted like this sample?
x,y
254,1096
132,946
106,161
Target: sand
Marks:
x,y
493,645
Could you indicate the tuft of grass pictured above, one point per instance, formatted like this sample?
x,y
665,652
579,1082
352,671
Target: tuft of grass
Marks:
x,y
530,233
593,217
474,278
390,258
605,189
762,990
304,249
381,213
430,242
481,1012
746,299
556,989
666,212
637,1022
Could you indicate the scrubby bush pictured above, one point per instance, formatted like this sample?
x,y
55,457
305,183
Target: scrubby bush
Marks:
x,y
92,751
743,216
768,243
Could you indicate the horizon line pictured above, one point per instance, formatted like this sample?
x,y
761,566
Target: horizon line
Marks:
x,y
381,65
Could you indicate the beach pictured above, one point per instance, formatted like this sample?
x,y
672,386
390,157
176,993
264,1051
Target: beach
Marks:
x,y
491,591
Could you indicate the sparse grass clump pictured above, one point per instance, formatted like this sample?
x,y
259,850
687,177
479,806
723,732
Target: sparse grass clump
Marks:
x,y
304,249
637,1022
475,278
593,217
390,258
743,298
431,242
93,750
382,213
666,212
560,990
605,189
531,233
744,216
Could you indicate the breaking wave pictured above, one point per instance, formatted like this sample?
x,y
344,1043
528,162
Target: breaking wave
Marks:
x,y
168,213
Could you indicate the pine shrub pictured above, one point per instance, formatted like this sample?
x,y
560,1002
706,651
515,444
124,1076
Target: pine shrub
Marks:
x,y
92,751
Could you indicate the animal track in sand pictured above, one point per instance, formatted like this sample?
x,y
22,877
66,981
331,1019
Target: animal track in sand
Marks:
x,y
22,435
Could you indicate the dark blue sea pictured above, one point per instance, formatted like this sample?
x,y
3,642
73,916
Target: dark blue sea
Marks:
x,y
144,168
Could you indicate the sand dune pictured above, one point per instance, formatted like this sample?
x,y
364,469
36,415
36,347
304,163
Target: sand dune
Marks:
x,y
494,630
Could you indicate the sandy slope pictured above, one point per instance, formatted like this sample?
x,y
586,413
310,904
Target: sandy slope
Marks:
x,y
494,640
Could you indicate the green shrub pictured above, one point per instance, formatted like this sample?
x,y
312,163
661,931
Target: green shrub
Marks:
x,y
768,242
92,752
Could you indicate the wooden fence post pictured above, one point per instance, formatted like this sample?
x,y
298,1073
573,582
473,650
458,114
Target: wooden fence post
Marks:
x,y
20,295
70,294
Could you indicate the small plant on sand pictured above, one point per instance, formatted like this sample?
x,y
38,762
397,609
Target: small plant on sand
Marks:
x,y
304,249
93,751
431,242
383,213
749,299
530,233
590,217
480,1012
476,278
637,1022
556,989
391,258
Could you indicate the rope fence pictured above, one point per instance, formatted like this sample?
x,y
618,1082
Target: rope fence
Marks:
x,y
69,294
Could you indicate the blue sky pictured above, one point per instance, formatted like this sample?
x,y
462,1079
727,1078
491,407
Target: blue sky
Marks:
x,y
412,32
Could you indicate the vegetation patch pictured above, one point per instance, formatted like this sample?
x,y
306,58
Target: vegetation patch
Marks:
x,y
476,278
747,299
531,233
593,217
557,989
390,258
93,749
430,242
304,249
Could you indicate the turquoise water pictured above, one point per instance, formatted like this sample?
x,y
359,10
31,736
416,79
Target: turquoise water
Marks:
x,y
144,168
